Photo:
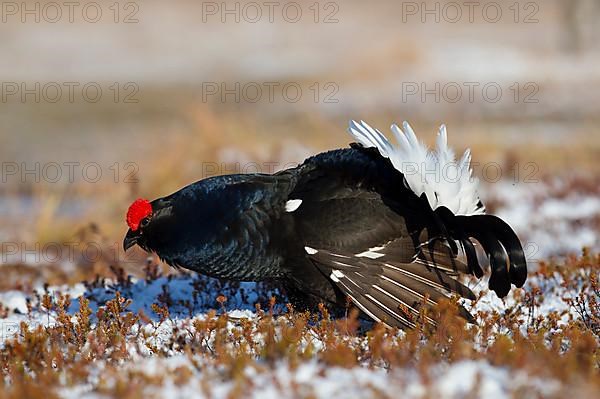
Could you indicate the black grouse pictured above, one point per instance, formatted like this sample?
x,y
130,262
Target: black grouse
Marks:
x,y
384,225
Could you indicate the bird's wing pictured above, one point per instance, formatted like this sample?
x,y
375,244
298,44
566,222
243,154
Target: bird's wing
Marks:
x,y
389,290
383,246
369,236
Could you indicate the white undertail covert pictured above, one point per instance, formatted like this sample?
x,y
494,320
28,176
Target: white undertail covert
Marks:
x,y
445,181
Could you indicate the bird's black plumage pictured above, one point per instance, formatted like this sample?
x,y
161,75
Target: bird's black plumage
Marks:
x,y
353,202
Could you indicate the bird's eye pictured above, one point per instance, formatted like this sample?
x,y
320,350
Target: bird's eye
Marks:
x,y
144,222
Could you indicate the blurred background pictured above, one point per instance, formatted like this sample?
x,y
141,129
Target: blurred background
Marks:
x,y
102,102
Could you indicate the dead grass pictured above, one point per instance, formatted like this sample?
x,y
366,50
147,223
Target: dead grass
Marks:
x,y
42,359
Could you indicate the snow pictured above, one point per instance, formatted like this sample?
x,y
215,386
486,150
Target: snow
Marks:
x,y
282,381
571,208
14,300
548,224
551,300
311,379
536,214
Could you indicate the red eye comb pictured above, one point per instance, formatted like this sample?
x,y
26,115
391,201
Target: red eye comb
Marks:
x,y
140,209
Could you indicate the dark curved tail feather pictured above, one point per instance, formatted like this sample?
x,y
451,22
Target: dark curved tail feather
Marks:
x,y
514,249
500,277
471,254
502,246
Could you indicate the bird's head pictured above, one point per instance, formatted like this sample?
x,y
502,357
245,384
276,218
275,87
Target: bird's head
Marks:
x,y
148,222
139,218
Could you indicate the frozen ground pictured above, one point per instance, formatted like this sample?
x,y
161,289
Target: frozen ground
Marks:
x,y
556,218
310,379
316,381
283,380
552,218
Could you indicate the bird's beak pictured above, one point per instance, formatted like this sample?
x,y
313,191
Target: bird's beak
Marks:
x,y
130,240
